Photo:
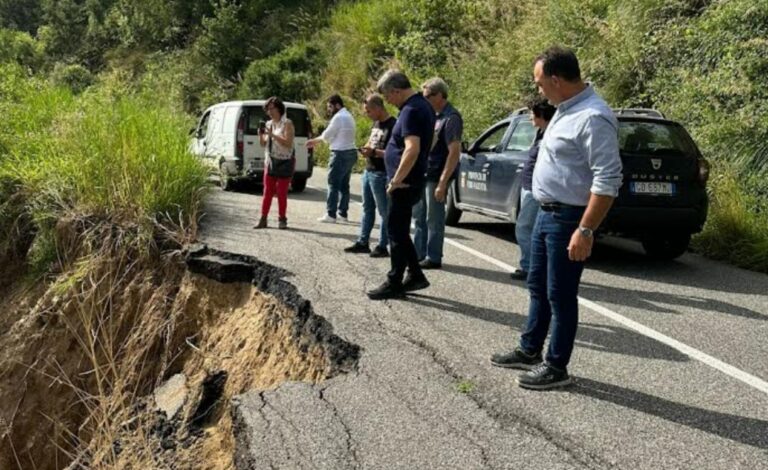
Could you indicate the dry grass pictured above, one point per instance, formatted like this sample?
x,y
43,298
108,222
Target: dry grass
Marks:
x,y
82,360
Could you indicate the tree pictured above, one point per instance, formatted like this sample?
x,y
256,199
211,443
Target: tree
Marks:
x,y
225,40
23,15
293,74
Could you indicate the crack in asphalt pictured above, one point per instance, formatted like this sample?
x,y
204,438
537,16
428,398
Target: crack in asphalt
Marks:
x,y
287,421
483,451
269,426
562,443
583,457
349,439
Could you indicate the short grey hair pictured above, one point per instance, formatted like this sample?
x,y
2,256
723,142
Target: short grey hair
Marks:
x,y
436,85
374,99
393,80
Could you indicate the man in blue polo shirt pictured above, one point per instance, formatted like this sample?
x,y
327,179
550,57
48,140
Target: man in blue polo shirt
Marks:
x,y
429,214
405,160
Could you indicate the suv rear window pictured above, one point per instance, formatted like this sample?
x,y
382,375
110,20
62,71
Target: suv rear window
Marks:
x,y
299,117
654,138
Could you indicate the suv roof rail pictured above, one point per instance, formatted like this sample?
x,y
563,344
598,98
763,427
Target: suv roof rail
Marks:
x,y
639,112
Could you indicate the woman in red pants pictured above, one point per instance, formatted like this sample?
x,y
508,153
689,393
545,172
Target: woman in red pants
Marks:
x,y
277,139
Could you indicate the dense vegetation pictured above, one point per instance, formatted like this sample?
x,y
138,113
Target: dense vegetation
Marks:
x,y
108,155
701,62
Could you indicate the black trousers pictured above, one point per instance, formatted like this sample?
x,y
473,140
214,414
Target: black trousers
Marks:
x,y
402,251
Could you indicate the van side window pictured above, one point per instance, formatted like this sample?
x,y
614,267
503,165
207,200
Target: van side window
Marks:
x,y
230,118
299,117
254,114
300,120
202,129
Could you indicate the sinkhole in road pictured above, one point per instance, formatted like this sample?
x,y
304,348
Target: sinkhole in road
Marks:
x,y
139,371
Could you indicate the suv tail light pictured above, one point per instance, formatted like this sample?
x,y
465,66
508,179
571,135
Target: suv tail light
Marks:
x,y
703,171
240,135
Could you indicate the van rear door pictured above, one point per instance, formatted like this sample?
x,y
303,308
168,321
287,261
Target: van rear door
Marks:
x,y
301,124
253,153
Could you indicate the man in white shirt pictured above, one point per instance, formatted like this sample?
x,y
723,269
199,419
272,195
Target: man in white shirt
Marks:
x,y
340,135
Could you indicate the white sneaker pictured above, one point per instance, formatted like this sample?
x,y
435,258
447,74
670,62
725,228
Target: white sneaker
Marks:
x,y
327,219
343,220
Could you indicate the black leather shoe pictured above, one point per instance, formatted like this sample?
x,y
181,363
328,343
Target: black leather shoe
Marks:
x,y
517,359
519,275
387,291
357,248
426,263
415,283
544,377
379,252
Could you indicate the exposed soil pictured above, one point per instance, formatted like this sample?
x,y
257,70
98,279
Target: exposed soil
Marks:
x,y
81,355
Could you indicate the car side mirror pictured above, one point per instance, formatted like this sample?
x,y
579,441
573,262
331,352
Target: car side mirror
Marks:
x,y
464,146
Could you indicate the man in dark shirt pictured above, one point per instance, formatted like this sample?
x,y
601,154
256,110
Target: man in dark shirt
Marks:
x,y
374,181
541,114
405,159
429,214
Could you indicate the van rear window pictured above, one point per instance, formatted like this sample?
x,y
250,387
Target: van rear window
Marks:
x,y
299,117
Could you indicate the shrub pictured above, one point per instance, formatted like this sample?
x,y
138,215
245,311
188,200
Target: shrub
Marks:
x,y
75,77
293,74
20,48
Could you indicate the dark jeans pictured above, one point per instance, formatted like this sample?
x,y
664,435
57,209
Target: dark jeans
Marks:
x,y
553,283
339,172
402,251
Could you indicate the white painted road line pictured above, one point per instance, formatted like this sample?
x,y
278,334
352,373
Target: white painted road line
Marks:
x,y
693,353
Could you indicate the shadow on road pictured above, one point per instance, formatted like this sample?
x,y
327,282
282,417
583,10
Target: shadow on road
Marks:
x,y
626,258
650,301
501,230
750,431
611,339
344,236
501,277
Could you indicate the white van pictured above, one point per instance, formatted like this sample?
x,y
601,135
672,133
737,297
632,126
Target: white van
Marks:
x,y
227,139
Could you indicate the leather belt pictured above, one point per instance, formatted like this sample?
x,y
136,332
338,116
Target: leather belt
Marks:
x,y
556,206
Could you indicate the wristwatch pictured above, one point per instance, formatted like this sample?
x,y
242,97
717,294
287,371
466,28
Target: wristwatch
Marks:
x,y
586,231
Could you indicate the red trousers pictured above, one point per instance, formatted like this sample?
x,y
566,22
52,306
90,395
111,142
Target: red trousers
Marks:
x,y
274,185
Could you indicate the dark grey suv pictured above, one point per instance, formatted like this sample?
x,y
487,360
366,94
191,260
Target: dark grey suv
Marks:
x,y
662,202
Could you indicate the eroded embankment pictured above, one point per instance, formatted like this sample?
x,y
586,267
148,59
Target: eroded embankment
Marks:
x,y
86,358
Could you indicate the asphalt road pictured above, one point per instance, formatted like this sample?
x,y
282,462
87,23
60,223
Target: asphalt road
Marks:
x,y
671,361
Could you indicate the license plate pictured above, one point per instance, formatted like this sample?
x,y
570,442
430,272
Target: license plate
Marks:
x,y
652,187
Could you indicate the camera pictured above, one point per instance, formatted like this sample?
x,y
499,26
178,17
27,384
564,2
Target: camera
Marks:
x,y
262,126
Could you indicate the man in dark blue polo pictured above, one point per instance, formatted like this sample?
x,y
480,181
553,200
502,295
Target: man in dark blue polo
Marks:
x,y
405,160
576,178
429,214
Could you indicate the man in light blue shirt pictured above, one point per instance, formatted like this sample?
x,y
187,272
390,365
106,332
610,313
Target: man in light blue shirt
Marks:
x,y
576,178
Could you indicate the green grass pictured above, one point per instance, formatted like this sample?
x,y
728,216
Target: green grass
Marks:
x,y
465,386
116,156
737,225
